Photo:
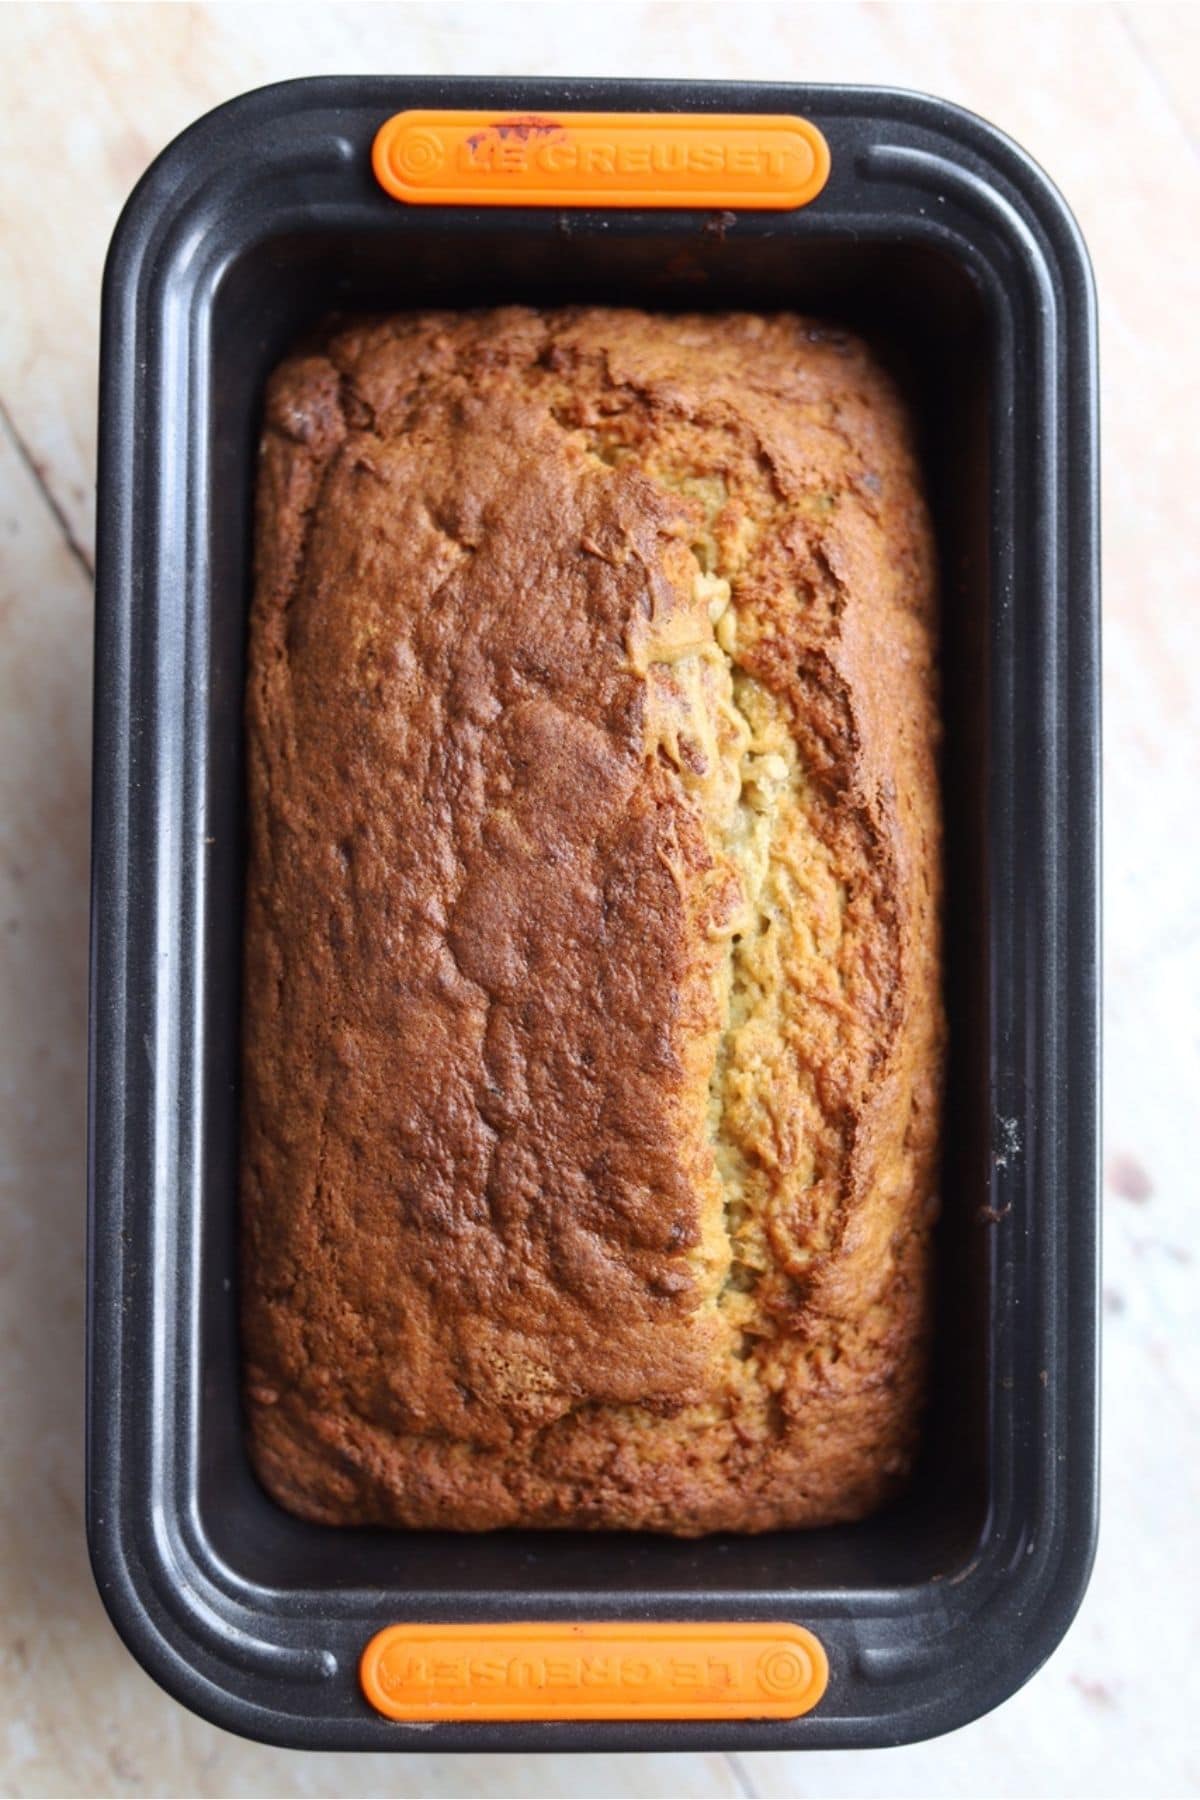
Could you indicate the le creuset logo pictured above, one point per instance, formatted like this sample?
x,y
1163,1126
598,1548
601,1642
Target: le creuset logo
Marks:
x,y
594,1671
516,148
776,1672
614,159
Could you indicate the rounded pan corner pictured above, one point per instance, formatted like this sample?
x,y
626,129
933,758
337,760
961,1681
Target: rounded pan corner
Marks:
x,y
183,1630
964,129
165,1661
131,1620
1021,1627
207,144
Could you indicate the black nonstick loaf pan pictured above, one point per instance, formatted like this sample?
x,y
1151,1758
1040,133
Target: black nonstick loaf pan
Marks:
x,y
921,226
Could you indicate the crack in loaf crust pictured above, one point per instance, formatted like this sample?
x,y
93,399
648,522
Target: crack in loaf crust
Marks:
x,y
592,1025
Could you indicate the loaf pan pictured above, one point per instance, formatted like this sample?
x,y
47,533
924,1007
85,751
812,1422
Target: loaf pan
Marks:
x,y
941,241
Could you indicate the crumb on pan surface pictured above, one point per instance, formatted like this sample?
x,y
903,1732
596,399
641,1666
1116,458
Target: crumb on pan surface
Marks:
x,y
593,1040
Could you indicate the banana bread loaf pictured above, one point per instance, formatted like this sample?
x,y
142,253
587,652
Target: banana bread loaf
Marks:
x,y
592,1033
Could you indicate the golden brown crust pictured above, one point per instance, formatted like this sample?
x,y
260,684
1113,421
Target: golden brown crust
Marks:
x,y
592,1034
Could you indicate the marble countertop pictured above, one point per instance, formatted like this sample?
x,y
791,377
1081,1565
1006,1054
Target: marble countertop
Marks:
x,y
1107,97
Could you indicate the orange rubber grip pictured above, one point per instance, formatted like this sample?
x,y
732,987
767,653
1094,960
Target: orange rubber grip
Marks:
x,y
727,160
418,1673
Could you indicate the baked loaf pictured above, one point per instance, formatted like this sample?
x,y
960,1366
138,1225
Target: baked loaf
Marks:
x,y
592,1020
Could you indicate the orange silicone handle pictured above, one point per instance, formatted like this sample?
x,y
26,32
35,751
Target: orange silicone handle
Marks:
x,y
418,1673
727,160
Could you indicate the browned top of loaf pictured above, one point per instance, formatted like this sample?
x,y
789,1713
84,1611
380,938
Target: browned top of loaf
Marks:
x,y
592,1033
